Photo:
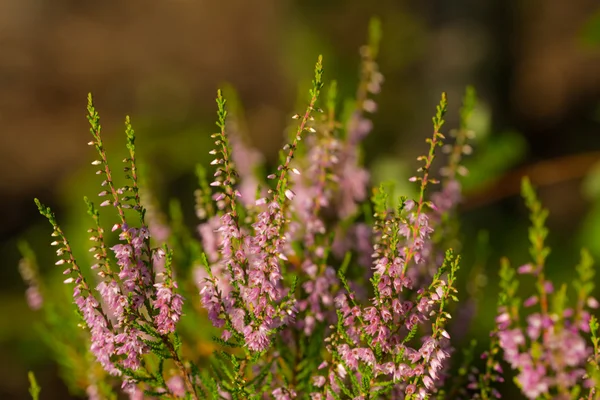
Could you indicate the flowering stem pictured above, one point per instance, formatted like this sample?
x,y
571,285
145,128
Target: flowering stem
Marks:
x,y
45,211
95,129
434,141
315,91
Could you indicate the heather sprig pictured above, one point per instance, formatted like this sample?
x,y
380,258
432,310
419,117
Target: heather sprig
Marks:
x,y
282,190
584,285
99,324
550,351
127,314
446,200
247,291
371,348
537,236
419,221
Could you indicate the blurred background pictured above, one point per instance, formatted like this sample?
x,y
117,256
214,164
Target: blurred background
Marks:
x,y
535,65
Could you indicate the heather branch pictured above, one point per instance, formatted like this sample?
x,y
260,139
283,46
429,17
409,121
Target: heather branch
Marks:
x,y
95,129
100,251
434,141
282,191
229,180
74,268
85,298
132,169
537,236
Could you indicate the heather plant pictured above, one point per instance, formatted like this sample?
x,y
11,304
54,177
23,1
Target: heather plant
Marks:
x,y
550,352
312,283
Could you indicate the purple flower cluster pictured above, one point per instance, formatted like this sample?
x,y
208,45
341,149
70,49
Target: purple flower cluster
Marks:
x,y
383,328
128,296
103,340
169,306
550,352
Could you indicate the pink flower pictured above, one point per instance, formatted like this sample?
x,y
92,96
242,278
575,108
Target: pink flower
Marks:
x,y
169,306
256,339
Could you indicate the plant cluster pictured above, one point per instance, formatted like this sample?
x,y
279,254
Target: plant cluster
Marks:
x,y
311,284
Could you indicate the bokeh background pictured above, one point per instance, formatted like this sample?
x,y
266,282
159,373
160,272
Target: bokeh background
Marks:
x,y
535,65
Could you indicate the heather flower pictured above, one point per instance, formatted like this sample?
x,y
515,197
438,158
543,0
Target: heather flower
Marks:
x,y
211,302
169,306
256,338
131,345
